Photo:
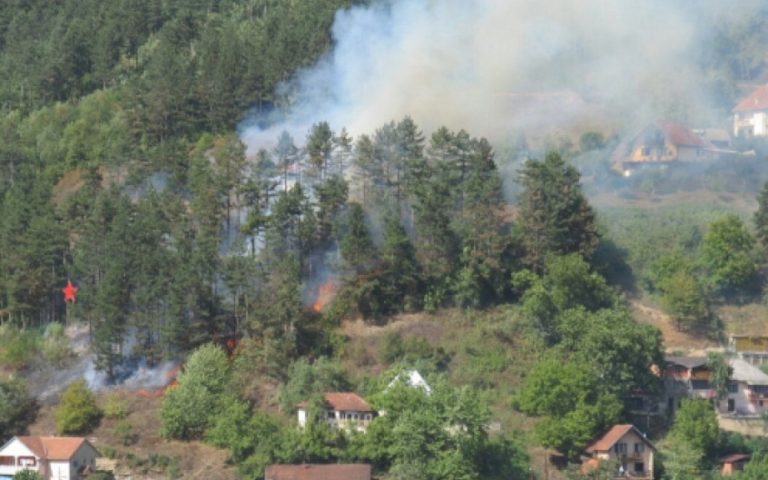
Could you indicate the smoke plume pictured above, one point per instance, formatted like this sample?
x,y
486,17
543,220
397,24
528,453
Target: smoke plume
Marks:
x,y
498,68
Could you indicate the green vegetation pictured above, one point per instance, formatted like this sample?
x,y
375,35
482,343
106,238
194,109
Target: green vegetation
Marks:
x,y
190,408
27,475
17,410
120,169
78,412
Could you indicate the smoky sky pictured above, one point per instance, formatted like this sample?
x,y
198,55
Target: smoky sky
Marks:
x,y
500,67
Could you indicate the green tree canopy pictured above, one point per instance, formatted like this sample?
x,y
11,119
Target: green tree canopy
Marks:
x,y
78,413
727,253
555,217
191,407
17,410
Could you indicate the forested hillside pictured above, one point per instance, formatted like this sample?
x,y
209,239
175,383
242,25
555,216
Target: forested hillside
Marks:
x,y
326,261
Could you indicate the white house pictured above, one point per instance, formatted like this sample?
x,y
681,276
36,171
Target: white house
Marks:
x,y
747,390
750,115
54,458
344,410
411,378
625,445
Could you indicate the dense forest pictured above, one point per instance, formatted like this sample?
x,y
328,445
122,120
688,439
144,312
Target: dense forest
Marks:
x,y
121,171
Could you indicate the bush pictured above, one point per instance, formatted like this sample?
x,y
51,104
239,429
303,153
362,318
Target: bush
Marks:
x,y
17,346
55,347
78,413
115,407
27,475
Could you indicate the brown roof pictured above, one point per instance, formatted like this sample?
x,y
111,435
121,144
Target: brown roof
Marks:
x,y
612,436
757,100
318,472
688,362
736,457
53,448
681,135
344,402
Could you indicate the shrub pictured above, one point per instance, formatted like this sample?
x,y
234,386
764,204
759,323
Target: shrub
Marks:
x,y
27,475
78,413
115,407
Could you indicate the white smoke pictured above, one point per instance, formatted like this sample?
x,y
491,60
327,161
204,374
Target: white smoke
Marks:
x,y
500,67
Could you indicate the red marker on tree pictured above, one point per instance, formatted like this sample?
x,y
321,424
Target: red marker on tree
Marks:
x,y
69,292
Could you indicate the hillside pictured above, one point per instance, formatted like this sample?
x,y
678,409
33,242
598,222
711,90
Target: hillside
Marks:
x,y
255,203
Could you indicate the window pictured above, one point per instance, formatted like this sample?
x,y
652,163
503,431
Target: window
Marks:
x,y
639,447
700,384
331,415
731,405
639,467
7,461
733,387
27,462
620,447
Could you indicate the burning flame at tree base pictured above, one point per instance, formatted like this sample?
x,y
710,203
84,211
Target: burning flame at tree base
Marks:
x,y
325,295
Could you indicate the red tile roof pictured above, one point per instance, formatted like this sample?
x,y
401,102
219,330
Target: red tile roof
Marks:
x,y
53,448
757,100
343,402
681,135
318,472
609,439
736,457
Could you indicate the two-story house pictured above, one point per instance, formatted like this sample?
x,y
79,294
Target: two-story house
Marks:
x,y
750,115
689,377
662,142
747,390
627,447
685,377
343,410
54,458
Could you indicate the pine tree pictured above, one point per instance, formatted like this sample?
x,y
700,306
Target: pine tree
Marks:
x,y
555,216
356,245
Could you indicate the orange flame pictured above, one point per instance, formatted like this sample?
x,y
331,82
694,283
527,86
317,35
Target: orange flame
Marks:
x,y
325,294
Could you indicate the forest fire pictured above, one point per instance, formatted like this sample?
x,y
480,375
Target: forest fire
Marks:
x,y
170,383
325,294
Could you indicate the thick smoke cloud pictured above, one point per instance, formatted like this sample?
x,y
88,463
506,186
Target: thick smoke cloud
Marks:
x,y
499,67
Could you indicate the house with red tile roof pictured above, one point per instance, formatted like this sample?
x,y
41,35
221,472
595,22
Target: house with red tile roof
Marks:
x,y
344,410
750,115
627,447
733,463
318,472
54,458
663,142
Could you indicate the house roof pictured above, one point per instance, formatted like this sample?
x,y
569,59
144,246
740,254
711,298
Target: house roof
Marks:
x,y
736,457
680,135
609,438
53,448
318,472
746,372
757,100
412,378
688,362
343,402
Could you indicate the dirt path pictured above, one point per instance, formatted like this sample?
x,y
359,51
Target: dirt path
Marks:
x,y
673,338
